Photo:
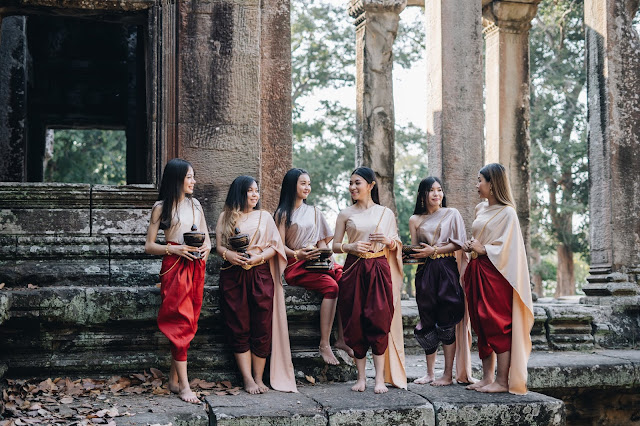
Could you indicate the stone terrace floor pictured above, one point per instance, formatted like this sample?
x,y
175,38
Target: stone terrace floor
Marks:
x,y
336,404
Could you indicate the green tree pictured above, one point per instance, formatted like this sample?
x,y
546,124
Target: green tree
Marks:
x,y
558,137
87,156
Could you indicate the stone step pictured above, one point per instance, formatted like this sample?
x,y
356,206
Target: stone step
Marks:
x,y
337,404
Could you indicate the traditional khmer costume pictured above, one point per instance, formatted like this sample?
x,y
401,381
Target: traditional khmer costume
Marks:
x,y
370,289
308,226
182,283
252,301
439,295
498,290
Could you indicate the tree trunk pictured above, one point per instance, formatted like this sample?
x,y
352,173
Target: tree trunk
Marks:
x,y
566,279
536,277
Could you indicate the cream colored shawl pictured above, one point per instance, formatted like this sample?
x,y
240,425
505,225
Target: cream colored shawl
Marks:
x,y
503,241
263,233
358,227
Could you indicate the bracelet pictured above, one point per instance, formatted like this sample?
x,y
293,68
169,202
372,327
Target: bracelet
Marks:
x,y
262,257
295,255
435,251
341,249
224,254
166,249
393,245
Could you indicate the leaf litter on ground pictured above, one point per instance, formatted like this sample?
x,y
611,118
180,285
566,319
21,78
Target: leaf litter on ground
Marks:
x,y
66,401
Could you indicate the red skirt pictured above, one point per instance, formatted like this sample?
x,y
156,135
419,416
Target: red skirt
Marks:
x,y
490,299
366,304
182,285
323,282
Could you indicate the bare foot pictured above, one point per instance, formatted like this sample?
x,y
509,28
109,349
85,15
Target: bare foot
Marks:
x,y
251,387
261,386
442,381
327,355
481,383
359,386
494,387
342,345
380,388
424,379
187,395
173,386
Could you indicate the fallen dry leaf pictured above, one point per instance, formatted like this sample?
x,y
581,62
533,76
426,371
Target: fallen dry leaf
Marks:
x,y
31,286
226,384
2,285
156,373
66,400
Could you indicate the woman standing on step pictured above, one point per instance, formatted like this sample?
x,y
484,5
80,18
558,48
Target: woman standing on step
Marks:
x,y
497,286
183,267
369,299
252,299
304,230
443,317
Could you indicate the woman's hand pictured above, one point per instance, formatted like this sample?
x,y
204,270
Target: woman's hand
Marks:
x,y
311,253
423,252
183,250
204,251
255,259
379,237
359,247
236,258
474,245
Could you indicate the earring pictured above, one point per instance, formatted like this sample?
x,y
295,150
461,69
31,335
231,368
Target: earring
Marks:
x,y
491,191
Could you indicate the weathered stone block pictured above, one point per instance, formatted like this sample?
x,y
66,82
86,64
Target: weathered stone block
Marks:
x,y
454,405
569,327
539,330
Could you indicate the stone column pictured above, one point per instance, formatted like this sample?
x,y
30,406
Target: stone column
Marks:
x,y
454,94
376,24
275,121
613,79
13,98
506,30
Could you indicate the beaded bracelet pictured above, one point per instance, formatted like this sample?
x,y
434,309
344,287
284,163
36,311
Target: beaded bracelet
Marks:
x,y
166,249
224,254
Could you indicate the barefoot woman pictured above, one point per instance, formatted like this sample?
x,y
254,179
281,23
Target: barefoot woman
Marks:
x,y
440,231
497,286
304,229
252,300
182,272
369,300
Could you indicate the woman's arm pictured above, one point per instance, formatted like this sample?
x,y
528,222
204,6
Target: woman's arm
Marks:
x,y
150,245
231,256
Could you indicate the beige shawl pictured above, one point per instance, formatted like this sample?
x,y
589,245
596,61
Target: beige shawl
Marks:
x,y
282,376
503,241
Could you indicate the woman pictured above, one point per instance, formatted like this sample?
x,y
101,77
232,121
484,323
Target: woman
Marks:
x,y
252,300
440,231
182,271
304,229
497,286
369,299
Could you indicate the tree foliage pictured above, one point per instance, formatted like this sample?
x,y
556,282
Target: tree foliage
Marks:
x,y
558,136
88,156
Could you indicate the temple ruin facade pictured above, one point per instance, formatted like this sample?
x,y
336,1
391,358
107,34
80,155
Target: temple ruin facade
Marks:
x,y
210,81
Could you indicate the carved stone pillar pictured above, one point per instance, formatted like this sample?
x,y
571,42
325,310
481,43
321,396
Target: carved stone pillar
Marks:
x,y
13,105
454,99
613,78
506,30
376,24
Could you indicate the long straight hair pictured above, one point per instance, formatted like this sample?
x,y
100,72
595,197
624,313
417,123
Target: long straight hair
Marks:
x,y
288,195
496,174
370,176
235,203
171,188
423,189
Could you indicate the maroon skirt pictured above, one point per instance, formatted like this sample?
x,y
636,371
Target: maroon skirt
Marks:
x,y
366,304
247,308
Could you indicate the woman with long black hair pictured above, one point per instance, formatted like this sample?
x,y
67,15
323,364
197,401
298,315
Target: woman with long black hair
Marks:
x,y
183,266
304,230
252,299
369,299
440,231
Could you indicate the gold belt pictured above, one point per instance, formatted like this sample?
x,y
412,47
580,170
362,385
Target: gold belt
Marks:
x,y
369,255
441,255
230,265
